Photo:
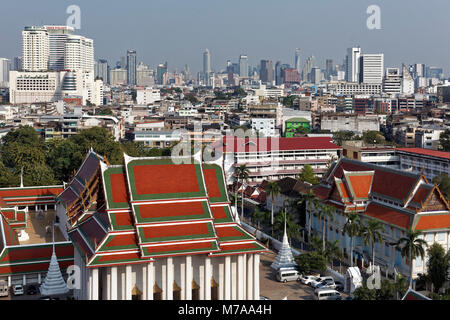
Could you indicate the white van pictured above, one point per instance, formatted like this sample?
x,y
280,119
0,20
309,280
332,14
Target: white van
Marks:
x,y
288,275
327,294
3,288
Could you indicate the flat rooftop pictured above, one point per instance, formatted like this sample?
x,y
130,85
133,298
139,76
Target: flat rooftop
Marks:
x,y
37,228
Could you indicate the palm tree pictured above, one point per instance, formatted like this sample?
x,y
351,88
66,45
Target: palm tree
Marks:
x,y
316,244
325,211
273,189
352,229
242,173
291,226
311,200
372,234
412,246
332,251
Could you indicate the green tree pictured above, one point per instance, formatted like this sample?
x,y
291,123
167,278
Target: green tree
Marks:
x,y
311,202
291,225
324,213
332,251
443,182
272,190
7,178
444,139
352,228
101,141
371,234
64,157
242,174
412,246
344,135
288,101
307,175
364,293
311,262
373,137
437,265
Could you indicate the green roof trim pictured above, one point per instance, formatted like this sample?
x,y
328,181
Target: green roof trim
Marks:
x,y
105,247
144,239
108,188
229,218
221,183
115,225
160,253
181,217
243,236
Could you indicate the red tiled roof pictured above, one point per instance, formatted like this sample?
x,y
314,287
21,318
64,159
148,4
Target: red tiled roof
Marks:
x,y
163,179
236,144
427,152
422,193
438,221
119,188
360,185
401,219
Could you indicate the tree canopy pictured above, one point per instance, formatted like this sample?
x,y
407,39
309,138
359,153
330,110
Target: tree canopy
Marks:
x,y
307,175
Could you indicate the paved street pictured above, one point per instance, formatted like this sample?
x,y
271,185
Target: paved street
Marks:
x,y
275,290
271,288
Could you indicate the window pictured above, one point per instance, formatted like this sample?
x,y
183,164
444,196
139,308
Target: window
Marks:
x,y
386,250
441,236
429,237
419,261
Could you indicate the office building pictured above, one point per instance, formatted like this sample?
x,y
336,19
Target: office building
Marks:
x,y
79,54
5,67
352,64
101,70
207,67
243,66
267,72
297,61
57,36
131,67
372,67
118,77
392,83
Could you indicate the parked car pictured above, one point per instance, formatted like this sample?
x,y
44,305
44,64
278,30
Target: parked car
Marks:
x,y
324,278
327,294
339,286
18,290
328,284
263,298
308,279
288,275
31,290
4,288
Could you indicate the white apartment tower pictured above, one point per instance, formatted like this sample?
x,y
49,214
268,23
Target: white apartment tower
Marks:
x,y
57,45
372,66
79,54
35,49
352,64
407,81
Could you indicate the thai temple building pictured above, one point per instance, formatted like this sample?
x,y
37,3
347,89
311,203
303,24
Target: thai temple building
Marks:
x,y
153,229
399,200
26,241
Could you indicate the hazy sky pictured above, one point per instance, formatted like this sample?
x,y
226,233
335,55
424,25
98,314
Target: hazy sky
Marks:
x,y
178,31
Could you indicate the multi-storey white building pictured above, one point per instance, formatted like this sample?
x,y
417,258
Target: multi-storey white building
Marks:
x,y
347,88
79,54
265,127
57,45
35,49
372,66
275,158
416,160
147,96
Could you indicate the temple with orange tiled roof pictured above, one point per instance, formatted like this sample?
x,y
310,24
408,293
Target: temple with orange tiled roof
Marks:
x,y
156,229
399,200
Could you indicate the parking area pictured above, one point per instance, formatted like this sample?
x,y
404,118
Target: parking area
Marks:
x,y
274,290
36,296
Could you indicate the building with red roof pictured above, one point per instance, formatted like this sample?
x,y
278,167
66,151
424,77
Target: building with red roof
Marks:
x,y
156,229
431,162
400,200
274,158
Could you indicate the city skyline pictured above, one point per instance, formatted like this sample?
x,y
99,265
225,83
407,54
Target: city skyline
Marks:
x,y
274,42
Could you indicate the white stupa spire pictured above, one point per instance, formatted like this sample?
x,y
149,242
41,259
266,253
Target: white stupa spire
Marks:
x,y
54,283
285,258
21,178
